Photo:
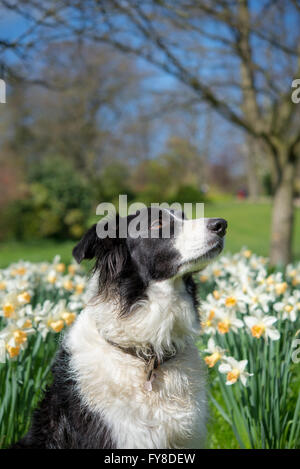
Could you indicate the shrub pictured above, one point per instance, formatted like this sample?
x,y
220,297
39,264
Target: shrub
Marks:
x,y
58,203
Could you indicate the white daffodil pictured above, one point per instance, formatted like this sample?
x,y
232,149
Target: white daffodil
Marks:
x,y
209,322
15,338
276,284
208,314
256,297
262,326
215,353
10,305
293,274
227,320
289,306
233,300
235,371
53,317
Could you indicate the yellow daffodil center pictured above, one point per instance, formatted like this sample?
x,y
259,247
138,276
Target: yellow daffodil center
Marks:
x,y
209,319
13,351
230,301
203,278
68,318
247,253
288,308
72,269
224,326
216,294
8,310
295,282
281,288
68,285
211,360
57,325
258,330
51,279
233,375
24,297
270,280
20,337
79,288
60,267
20,271
217,272
27,324
2,285
211,315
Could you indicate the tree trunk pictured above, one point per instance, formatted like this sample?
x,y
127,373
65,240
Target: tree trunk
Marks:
x,y
283,217
252,169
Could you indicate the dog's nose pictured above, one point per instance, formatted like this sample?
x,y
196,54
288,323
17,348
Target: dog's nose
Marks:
x,y
217,225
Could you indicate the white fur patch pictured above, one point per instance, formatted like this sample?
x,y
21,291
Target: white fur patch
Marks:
x,y
111,382
194,242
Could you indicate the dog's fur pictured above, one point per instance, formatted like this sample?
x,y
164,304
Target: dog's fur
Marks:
x,y
142,296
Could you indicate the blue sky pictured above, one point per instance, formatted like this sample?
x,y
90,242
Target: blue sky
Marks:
x,y
13,26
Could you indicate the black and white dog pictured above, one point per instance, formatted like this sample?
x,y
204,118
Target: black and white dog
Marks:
x,y
128,374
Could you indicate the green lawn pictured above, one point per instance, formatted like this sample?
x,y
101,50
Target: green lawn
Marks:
x,y
35,251
248,225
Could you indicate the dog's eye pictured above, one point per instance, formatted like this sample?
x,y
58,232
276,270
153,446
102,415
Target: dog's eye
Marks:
x,y
156,225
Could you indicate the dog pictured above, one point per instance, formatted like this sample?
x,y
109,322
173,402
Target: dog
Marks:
x,y
128,373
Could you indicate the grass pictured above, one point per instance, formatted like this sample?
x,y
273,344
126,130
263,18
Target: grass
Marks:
x,y
248,225
35,251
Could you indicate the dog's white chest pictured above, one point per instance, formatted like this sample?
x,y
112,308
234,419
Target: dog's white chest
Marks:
x,y
172,415
112,383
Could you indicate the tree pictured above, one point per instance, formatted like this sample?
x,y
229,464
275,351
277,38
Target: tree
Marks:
x,y
239,56
258,99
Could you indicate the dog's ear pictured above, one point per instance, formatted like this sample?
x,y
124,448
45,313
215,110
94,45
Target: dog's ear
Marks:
x,y
111,253
87,246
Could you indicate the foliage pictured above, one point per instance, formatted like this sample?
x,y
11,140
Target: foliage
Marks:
x,y
57,204
188,194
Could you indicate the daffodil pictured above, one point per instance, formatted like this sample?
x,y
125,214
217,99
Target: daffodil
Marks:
x,y
10,305
233,299
262,327
15,338
24,297
289,306
235,370
256,297
215,353
209,321
227,320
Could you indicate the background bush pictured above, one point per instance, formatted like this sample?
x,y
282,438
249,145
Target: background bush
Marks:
x,y
57,203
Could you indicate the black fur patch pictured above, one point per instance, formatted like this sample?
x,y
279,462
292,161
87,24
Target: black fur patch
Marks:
x,y
191,289
62,421
126,266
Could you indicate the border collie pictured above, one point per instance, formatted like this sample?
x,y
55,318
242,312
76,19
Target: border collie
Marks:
x,y
128,373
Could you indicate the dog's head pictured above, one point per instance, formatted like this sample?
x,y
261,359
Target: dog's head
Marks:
x,y
154,244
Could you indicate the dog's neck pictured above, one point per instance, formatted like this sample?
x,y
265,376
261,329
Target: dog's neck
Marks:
x,y
165,319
